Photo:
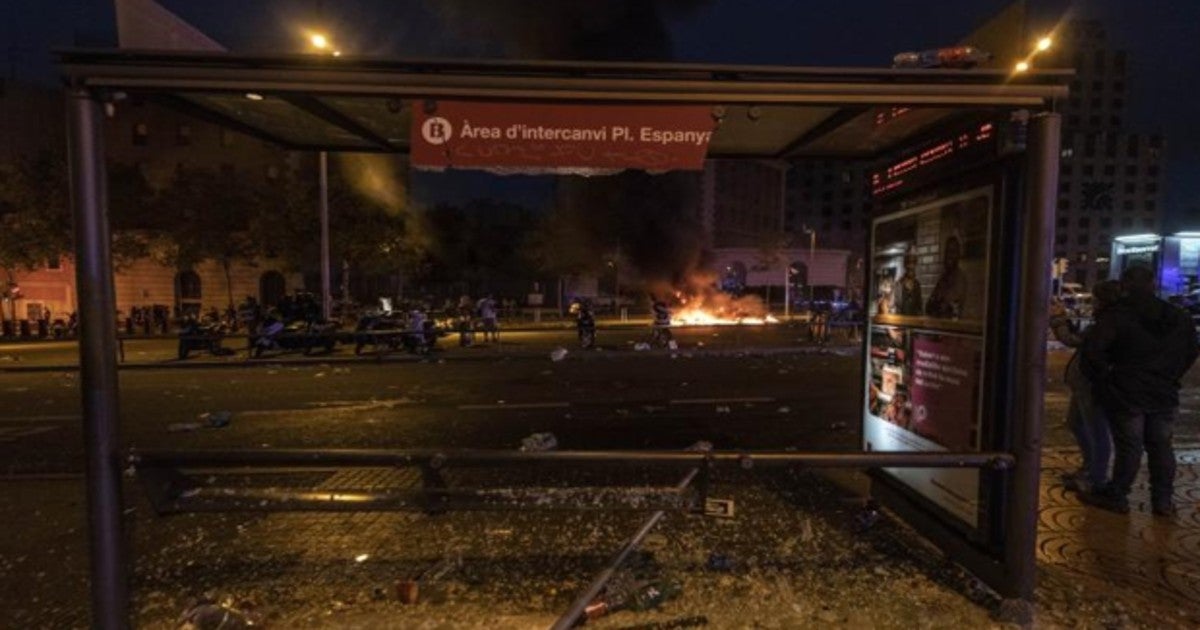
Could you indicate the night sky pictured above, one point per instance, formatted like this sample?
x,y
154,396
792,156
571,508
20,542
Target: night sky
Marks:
x,y
1163,37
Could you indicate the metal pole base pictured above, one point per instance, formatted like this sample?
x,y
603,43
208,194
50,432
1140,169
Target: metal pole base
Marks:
x,y
1015,611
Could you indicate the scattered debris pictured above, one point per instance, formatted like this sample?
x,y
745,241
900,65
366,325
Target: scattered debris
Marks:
x,y
723,409
319,375
806,531
539,442
213,616
785,410
868,517
719,562
629,594
208,420
558,354
838,425
217,419
409,591
673,345
641,346
362,557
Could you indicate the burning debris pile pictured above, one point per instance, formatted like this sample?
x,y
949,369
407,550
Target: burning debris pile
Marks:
x,y
702,304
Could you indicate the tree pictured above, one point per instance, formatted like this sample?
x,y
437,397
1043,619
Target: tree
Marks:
x,y
208,219
35,223
370,233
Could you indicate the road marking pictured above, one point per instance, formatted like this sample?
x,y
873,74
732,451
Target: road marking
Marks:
x,y
28,419
9,435
712,401
541,405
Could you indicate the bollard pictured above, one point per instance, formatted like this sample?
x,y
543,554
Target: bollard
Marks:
x,y
43,328
25,332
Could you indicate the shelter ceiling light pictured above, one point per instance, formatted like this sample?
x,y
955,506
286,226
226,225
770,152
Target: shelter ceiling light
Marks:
x,y
1045,43
1022,66
254,96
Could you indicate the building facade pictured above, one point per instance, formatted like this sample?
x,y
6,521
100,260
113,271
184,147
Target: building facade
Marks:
x,y
832,197
145,283
741,202
1110,178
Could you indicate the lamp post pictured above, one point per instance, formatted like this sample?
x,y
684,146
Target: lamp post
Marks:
x,y
323,177
812,247
322,44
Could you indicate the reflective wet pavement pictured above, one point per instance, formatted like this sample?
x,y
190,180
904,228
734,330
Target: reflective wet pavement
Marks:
x,y
1156,557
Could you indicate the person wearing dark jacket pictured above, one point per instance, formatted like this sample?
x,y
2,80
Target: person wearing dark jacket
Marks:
x,y
1135,355
1085,418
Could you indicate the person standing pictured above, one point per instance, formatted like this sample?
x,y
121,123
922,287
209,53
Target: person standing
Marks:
x,y
1085,418
488,315
1135,356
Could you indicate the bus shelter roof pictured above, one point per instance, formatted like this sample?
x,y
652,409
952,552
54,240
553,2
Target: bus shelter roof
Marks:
x,y
317,103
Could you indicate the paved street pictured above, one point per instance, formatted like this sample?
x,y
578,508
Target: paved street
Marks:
x,y
797,561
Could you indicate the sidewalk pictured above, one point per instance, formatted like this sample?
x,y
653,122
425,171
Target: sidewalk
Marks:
x,y
798,562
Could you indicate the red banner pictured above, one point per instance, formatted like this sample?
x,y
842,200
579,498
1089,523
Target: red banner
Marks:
x,y
546,137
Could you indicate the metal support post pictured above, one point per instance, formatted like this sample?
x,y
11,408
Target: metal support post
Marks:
x,y
97,361
326,292
1036,237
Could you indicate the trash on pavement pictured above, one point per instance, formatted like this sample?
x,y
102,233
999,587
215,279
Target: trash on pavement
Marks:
x,y
632,595
409,591
720,562
213,616
806,531
868,517
558,354
641,346
539,442
217,419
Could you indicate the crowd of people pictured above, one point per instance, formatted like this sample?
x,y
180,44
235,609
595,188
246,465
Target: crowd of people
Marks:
x,y
1124,380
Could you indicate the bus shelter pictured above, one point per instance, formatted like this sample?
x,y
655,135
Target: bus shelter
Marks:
x,y
964,173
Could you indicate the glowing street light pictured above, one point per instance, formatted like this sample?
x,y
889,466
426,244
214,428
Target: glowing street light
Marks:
x,y
319,41
1044,44
1022,66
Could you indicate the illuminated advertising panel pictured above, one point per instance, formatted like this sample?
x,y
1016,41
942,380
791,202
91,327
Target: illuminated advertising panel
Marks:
x,y
928,293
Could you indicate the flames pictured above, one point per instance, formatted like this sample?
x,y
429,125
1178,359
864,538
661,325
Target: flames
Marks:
x,y
712,308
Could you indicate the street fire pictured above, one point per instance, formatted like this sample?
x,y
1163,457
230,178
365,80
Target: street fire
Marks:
x,y
718,309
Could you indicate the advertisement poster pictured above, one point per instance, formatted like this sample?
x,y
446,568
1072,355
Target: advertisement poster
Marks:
x,y
925,375
930,264
945,389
